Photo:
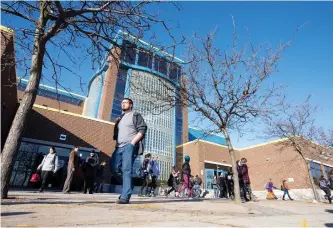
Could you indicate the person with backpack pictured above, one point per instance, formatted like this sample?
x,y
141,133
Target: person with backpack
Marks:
x,y
154,173
173,180
186,174
285,188
48,166
129,133
144,174
325,186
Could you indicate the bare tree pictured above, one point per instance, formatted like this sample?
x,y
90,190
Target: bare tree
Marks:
x,y
226,88
49,27
297,126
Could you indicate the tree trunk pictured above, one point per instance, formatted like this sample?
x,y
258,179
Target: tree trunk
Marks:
x,y
315,193
234,166
14,137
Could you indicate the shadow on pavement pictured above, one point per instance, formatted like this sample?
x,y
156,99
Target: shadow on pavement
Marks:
x,y
329,224
15,213
82,202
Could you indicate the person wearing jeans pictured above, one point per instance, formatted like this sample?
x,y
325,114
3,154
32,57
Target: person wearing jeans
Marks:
x,y
129,132
285,190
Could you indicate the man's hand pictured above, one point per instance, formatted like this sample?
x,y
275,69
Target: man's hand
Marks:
x,y
73,169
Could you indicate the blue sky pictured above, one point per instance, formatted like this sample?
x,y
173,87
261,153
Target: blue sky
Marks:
x,y
306,68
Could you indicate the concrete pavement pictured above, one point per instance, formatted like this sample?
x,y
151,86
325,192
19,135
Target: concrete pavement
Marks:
x,y
56,209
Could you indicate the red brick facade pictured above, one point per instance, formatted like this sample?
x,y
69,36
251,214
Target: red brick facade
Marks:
x,y
265,161
8,82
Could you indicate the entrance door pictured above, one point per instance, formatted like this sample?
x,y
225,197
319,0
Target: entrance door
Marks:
x,y
209,174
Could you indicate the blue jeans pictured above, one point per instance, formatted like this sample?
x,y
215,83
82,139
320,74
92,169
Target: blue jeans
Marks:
x,y
122,161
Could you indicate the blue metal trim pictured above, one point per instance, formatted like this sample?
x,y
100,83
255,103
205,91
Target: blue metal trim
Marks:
x,y
67,94
128,83
99,95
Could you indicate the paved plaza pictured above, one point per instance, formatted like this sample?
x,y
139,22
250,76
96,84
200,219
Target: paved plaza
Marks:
x,y
29,209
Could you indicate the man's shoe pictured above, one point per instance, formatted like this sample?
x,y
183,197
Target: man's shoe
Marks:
x,y
121,201
40,190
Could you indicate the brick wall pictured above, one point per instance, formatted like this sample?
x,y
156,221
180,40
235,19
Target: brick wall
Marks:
x,y
109,86
47,102
47,124
8,82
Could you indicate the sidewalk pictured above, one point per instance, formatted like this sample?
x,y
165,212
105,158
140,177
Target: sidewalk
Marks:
x,y
57,209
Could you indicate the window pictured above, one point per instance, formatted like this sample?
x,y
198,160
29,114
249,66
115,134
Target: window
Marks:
x,y
119,94
145,59
327,169
128,52
160,65
175,72
315,171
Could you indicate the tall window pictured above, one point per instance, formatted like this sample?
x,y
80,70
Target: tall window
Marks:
x,y
175,72
145,59
160,65
119,94
327,169
128,52
315,171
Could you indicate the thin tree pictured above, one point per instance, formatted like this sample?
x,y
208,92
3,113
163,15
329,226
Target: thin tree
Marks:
x,y
49,27
226,88
297,126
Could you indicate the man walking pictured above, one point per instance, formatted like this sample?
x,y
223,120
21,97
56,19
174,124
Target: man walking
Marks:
x,y
129,131
49,166
90,172
73,165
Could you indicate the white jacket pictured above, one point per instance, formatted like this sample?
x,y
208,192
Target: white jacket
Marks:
x,y
49,163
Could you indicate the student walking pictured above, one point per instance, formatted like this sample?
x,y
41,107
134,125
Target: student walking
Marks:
x,y
270,194
186,172
154,172
285,189
73,165
173,180
90,172
129,132
144,174
48,166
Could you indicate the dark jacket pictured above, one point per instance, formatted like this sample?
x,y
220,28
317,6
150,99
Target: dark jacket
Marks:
x,y
140,126
243,173
74,160
186,168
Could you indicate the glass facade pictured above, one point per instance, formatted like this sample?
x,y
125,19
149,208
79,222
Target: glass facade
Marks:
x,y
31,154
66,98
159,116
153,62
119,94
93,96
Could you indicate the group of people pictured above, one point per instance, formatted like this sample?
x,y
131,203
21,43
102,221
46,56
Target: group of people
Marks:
x,y
223,186
324,184
92,170
270,193
129,133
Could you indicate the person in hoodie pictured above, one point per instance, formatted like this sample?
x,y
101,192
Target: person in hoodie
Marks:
x,y
89,172
186,172
49,166
154,173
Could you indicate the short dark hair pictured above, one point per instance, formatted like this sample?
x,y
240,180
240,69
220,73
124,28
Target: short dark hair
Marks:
x,y
53,148
130,100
